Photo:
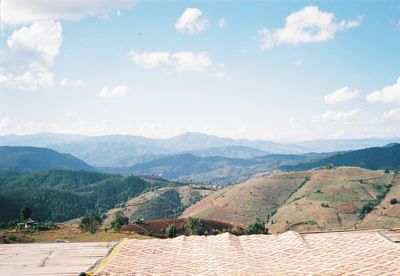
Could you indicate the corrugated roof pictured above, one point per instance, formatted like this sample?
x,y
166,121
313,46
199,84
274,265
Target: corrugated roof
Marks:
x,y
340,253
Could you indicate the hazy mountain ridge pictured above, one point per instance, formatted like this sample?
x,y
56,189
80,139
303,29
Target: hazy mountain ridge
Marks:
x,y
38,159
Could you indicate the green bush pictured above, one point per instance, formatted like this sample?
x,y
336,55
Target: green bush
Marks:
x,y
119,220
193,226
258,227
90,223
45,226
171,231
394,201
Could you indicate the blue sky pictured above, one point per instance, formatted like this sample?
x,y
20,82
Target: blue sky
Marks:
x,y
280,70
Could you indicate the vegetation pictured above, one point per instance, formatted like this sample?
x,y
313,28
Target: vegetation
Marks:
x,y
38,159
257,227
171,231
370,205
393,201
25,213
90,223
376,158
62,195
119,220
193,226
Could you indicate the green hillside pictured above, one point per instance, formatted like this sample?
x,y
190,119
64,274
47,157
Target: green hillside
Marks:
x,y
166,202
38,159
376,158
62,195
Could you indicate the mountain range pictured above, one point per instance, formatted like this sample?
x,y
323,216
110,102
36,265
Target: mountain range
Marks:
x,y
127,150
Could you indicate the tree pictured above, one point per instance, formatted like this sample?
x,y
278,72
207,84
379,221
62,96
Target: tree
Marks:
x,y
25,213
193,226
170,231
119,220
90,223
258,227
393,201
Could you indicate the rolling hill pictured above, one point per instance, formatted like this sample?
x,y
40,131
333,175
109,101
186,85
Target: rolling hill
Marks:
x,y
387,157
62,195
38,159
317,200
216,170
163,203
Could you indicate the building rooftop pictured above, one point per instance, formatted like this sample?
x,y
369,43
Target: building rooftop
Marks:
x,y
337,253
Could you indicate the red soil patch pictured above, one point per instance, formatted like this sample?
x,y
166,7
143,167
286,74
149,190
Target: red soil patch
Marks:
x,y
157,227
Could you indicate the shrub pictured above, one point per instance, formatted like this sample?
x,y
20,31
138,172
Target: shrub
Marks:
x,y
90,223
325,205
171,231
8,224
368,207
45,226
394,201
193,226
257,227
387,171
119,220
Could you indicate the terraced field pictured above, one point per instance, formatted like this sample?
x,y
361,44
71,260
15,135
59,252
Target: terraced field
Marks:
x,y
316,200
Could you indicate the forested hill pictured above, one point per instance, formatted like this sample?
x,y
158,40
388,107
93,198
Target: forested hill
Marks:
x,y
38,159
62,195
385,158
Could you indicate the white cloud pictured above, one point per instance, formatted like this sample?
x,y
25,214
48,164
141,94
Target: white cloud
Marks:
x,y
221,23
182,61
188,61
36,45
28,81
118,91
389,94
28,11
330,116
298,62
342,95
191,22
150,59
304,26
65,82
392,115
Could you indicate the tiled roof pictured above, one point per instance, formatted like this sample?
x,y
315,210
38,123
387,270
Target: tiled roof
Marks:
x,y
340,253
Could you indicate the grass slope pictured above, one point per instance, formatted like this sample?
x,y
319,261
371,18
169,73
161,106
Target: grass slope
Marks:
x,y
257,197
163,203
317,200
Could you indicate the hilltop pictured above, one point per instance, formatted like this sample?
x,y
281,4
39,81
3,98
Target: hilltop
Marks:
x,y
162,203
327,199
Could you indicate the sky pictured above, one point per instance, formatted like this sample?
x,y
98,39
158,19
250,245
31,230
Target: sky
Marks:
x,y
277,70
